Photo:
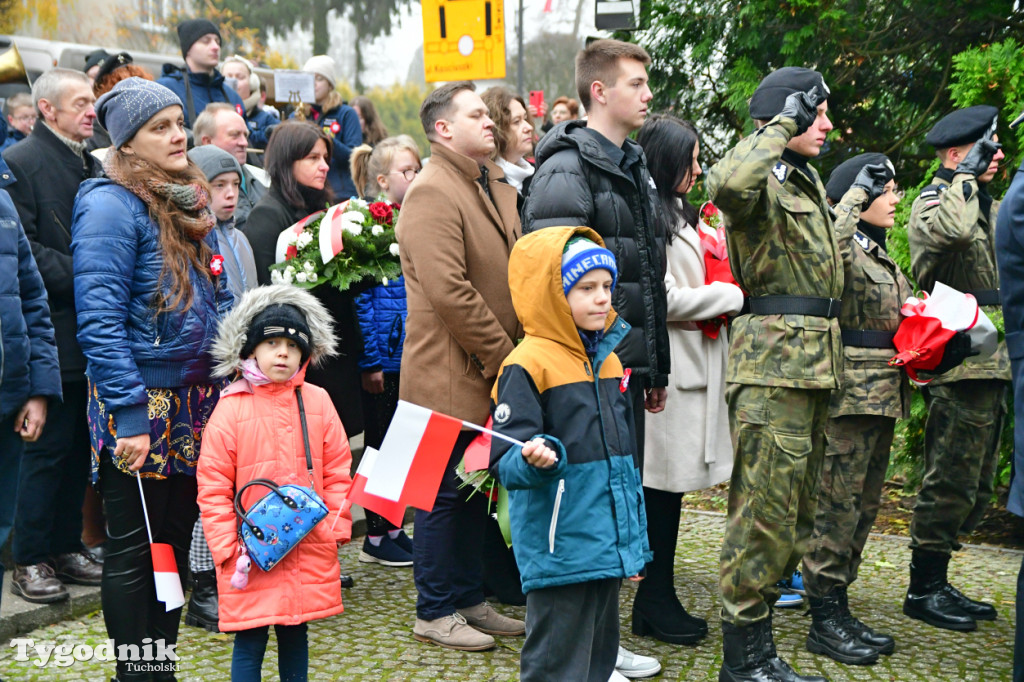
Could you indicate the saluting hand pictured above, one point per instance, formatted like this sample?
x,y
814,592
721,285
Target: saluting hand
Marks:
x,y
980,157
802,107
873,178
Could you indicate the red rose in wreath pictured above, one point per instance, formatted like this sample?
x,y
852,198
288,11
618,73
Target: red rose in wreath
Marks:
x,y
381,212
217,264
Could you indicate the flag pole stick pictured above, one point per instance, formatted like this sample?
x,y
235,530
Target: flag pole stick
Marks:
x,y
145,512
502,436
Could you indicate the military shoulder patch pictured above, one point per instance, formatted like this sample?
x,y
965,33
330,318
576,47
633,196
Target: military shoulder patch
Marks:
x,y
502,413
861,240
780,171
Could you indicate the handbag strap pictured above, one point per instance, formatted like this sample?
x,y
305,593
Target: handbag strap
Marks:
x,y
305,436
267,483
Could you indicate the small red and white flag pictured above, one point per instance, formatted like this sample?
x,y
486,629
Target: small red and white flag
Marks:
x,y
413,456
392,511
165,568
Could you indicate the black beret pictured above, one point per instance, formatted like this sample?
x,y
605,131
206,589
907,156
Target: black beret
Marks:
x,y
771,94
963,126
95,57
192,30
841,180
113,62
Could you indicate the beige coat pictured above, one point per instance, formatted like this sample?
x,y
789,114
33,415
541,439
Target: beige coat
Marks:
x,y
688,445
454,243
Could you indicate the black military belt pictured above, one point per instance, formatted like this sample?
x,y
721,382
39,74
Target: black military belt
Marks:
x,y
987,296
868,338
795,305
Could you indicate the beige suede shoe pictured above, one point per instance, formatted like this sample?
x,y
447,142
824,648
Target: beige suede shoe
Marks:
x,y
451,632
485,619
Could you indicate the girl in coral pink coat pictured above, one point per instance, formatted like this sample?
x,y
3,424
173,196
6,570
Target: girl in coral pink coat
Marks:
x,y
255,432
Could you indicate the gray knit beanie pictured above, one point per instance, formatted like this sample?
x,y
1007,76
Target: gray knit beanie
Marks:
x,y
128,106
214,161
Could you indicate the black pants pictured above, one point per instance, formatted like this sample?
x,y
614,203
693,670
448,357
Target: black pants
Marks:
x,y
130,608
447,567
657,591
572,632
51,486
378,409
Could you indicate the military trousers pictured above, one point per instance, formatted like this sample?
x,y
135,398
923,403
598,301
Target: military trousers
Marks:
x,y
779,444
856,459
961,452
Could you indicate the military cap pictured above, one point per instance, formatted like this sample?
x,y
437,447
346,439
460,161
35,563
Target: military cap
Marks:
x,y
962,126
113,62
841,180
95,58
771,94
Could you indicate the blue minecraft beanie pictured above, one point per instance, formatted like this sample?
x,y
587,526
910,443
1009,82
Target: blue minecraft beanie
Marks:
x,y
580,257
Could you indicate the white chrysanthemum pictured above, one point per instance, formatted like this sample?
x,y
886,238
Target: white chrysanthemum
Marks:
x,y
377,230
356,202
384,281
275,277
353,217
287,276
394,249
313,277
290,270
308,266
352,228
304,240
300,277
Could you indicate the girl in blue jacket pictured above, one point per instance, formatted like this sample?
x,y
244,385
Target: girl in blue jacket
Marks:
x,y
148,297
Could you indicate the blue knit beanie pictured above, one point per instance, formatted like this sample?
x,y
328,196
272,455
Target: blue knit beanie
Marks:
x,y
580,257
128,106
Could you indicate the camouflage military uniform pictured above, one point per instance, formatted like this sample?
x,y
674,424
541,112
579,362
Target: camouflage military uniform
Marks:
x,y
863,412
781,366
951,237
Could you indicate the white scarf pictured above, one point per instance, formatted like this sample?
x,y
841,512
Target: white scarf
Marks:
x,y
515,173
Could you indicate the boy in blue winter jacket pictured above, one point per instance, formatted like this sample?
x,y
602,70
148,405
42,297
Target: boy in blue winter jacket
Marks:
x,y
575,500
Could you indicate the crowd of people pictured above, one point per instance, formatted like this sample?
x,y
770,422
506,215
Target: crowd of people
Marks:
x,y
556,280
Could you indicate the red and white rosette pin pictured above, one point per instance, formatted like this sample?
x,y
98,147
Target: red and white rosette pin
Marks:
x,y
217,264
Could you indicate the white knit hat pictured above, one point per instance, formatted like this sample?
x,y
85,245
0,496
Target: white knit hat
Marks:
x,y
323,65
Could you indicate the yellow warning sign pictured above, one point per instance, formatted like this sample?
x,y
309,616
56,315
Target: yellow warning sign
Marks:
x,y
463,39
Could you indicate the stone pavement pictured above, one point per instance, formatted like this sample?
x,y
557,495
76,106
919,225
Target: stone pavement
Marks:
x,y
372,640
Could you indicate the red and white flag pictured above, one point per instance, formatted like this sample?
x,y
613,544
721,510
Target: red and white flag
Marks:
x,y
413,456
392,511
165,568
165,575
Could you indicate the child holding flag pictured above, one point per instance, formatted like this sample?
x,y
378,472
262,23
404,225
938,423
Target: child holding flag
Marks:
x,y
575,501
270,339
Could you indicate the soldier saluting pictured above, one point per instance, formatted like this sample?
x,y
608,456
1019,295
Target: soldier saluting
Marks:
x,y
784,358
951,234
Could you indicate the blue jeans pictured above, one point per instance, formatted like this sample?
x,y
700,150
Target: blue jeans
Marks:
x,y
251,645
447,545
10,457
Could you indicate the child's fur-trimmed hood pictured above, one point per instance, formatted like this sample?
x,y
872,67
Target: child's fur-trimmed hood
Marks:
x,y
231,334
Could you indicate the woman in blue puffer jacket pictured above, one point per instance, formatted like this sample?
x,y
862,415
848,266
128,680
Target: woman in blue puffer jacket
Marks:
x,y
149,300
384,173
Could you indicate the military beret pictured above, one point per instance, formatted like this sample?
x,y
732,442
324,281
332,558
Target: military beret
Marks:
x,y
95,58
962,126
113,62
841,180
771,94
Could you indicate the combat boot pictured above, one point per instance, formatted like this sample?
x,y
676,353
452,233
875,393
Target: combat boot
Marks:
x,y
880,641
978,610
928,599
202,604
749,655
831,635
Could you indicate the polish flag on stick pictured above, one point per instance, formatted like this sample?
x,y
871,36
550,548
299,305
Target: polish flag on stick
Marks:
x,y
165,568
414,454
392,511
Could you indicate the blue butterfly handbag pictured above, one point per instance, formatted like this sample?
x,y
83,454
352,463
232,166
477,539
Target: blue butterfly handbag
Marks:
x,y
280,519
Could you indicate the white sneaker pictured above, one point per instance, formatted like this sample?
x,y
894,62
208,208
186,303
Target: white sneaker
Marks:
x,y
617,677
628,664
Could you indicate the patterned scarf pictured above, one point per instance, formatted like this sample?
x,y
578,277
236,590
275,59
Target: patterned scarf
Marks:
x,y
190,199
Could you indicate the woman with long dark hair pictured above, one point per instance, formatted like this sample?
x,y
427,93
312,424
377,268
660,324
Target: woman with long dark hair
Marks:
x,y
688,445
149,297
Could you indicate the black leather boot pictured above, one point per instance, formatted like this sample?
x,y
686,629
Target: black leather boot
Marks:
x,y
880,641
657,611
978,610
202,605
749,655
831,635
928,599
